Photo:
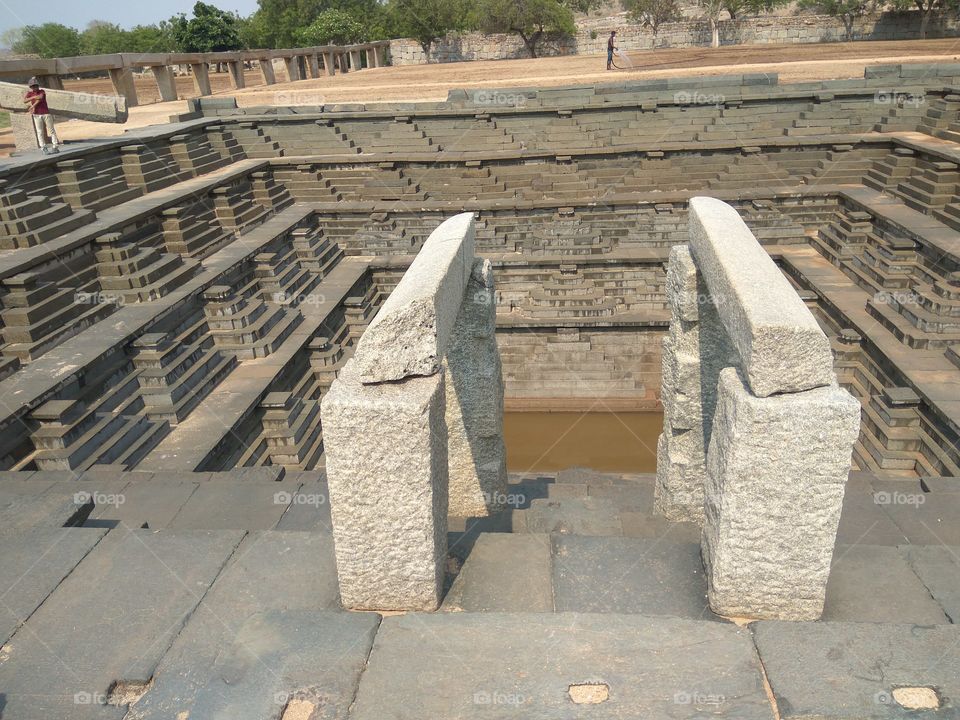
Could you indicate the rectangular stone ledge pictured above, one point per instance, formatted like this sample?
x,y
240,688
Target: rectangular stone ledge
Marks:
x,y
386,448
412,331
781,347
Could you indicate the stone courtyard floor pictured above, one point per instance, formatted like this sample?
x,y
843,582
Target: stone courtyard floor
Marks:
x,y
214,595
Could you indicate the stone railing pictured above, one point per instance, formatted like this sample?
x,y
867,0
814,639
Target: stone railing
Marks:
x,y
757,434
413,427
299,63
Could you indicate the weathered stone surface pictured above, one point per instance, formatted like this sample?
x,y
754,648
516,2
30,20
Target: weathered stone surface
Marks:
x,y
523,665
578,516
504,573
694,352
629,575
412,331
839,671
111,620
233,504
32,564
775,478
938,567
872,583
386,448
474,393
271,571
780,345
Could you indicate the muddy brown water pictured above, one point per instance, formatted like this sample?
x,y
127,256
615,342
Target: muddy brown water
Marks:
x,y
606,441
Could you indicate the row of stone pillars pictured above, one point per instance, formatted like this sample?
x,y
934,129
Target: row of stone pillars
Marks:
x,y
299,64
413,427
758,435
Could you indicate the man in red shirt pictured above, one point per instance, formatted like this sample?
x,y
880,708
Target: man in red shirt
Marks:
x,y
36,101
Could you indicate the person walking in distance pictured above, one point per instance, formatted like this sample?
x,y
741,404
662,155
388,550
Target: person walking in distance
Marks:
x,y
611,48
36,102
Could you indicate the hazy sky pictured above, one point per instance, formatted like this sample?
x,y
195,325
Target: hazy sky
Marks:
x,y
125,13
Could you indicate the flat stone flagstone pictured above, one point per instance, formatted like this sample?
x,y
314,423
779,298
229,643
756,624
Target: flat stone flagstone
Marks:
x,y
837,671
32,565
271,572
477,665
110,621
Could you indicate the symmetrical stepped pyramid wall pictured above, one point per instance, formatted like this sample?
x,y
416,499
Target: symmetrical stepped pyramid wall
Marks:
x,y
181,298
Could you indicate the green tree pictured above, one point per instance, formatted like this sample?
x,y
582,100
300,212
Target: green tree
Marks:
x,y
332,27
653,13
102,38
253,31
150,39
426,20
846,10
50,40
532,20
209,30
283,20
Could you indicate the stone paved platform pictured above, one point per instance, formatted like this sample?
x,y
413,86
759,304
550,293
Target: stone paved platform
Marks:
x,y
227,605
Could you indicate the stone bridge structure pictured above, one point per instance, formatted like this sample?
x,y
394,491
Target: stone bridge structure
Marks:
x,y
298,63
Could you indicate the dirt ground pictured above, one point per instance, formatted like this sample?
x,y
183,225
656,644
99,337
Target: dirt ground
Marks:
x,y
793,63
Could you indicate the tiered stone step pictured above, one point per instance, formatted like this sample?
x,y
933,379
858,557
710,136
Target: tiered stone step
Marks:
x,y
135,274
84,185
930,186
291,428
175,376
193,230
27,220
844,236
38,314
941,118
842,167
143,167
465,135
568,294
268,193
256,143
224,143
236,207
246,328
322,138
889,172
402,135
305,184
194,154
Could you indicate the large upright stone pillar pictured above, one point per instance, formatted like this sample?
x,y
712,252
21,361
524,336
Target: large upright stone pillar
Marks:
x,y
329,63
166,82
293,68
694,351
266,69
314,65
386,450
237,79
201,78
122,79
474,380
776,474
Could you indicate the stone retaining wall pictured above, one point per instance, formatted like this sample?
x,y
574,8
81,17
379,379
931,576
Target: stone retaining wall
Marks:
x,y
689,33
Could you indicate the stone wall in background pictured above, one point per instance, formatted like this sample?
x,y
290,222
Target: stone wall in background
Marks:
x,y
691,33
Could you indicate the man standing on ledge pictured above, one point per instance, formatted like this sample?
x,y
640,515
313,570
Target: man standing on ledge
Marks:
x,y
610,49
36,99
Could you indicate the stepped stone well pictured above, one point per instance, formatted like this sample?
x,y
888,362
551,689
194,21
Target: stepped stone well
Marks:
x,y
757,435
413,427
